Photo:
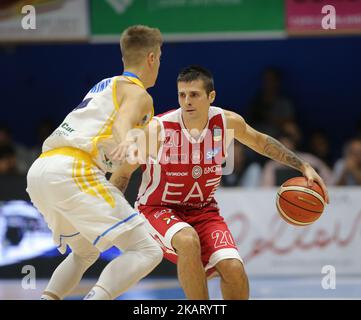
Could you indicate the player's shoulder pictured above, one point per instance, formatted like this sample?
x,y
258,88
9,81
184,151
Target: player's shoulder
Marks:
x,y
232,116
171,115
134,92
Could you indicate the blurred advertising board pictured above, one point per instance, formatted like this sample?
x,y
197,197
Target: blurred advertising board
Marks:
x,y
326,17
189,20
43,20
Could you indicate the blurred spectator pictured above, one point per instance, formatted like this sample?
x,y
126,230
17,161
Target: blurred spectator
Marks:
x,y
275,173
245,174
22,155
43,130
347,171
7,159
291,129
319,145
270,109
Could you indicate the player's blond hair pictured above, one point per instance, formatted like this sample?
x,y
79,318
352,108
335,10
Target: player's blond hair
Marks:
x,y
137,41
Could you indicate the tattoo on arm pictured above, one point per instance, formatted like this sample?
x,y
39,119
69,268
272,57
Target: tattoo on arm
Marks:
x,y
121,183
277,151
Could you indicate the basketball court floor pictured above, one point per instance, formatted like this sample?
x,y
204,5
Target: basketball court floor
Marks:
x,y
168,288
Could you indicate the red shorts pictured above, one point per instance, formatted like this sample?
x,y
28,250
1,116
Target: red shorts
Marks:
x,y
216,240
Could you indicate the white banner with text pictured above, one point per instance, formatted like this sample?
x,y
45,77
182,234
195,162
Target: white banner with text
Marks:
x,y
270,246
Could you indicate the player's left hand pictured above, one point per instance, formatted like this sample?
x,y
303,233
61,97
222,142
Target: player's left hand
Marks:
x,y
120,152
311,175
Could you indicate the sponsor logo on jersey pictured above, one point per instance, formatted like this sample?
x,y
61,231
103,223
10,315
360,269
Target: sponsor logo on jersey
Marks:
x,y
100,86
66,127
217,133
59,133
161,212
106,161
168,220
197,172
177,174
213,169
189,204
212,153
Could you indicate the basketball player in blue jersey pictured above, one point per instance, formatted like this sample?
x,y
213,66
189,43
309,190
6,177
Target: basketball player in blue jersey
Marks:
x,y
67,182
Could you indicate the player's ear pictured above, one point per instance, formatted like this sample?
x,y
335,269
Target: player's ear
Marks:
x,y
212,96
151,58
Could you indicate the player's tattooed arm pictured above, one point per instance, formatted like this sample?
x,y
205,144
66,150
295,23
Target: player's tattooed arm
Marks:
x,y
277,151
270,147
262,143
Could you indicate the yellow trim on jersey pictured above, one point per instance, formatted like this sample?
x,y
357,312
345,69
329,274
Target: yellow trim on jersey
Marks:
x,y
100,188
106,131
81,179
82,173
74,174
71,152
114,93
136,81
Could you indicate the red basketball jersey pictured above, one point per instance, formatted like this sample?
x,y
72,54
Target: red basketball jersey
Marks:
x,y
188,170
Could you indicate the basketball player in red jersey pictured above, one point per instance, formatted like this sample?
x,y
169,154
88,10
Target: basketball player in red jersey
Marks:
x,y
185,149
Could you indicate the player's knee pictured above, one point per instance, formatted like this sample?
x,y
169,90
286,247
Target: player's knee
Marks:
x,y
154,253
186,240
232,270
150,251
87,258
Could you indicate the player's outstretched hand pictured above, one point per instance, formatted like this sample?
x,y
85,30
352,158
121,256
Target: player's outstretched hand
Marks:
x,y
120,152
311,175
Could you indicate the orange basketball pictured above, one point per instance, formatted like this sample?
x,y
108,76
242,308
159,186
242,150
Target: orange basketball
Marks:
x,y
299,204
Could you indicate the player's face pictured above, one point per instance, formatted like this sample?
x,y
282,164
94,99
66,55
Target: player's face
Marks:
x,y
193,99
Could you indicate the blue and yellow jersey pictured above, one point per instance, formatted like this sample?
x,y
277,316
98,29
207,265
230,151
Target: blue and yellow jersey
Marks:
x,y
89,126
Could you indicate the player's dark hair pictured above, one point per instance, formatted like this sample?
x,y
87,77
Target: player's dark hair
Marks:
x,y
195,72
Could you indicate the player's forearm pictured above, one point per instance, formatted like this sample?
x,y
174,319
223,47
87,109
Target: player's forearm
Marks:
x,y
127,119
120,182
275,150
121,132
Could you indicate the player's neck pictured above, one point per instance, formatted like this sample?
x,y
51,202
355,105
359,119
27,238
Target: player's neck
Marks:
x,y
139,73
197,124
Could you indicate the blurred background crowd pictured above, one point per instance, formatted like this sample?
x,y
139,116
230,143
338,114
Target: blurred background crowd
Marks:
x,y
271,110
